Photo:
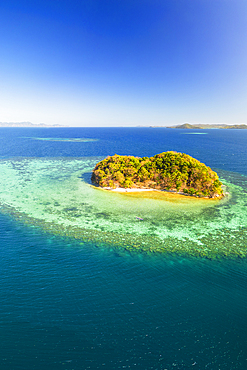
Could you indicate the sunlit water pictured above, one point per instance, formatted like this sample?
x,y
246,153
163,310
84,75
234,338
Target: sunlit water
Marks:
x,y
86,285
56,194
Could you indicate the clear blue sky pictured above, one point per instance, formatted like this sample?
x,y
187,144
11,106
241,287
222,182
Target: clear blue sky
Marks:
x,y
123,62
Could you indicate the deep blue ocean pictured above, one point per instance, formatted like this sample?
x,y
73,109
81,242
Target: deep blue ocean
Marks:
x,y
72,305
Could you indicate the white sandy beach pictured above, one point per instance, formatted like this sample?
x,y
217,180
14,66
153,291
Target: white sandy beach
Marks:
x,y
131,190
123,190
138,190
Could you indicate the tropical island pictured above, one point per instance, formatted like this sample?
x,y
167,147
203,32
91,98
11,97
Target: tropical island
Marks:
x,y
170,171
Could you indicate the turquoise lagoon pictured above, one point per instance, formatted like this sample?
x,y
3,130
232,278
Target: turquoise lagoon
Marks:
x,y
57,195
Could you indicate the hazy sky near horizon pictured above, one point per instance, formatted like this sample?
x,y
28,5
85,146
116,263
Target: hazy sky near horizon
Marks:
x,y
123,62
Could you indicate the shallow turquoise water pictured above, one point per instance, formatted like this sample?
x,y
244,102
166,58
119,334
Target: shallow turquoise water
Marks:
x,y
72,140
57,195
76,294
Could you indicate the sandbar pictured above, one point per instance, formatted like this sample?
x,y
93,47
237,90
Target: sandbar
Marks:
x,y
155,193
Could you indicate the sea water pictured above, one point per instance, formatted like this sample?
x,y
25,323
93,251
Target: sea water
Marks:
x,y
86,285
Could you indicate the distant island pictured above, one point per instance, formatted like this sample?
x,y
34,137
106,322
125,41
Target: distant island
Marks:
x,y
201,126
171,171
26,124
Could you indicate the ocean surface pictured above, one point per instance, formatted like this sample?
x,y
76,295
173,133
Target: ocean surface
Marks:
x,y
86,285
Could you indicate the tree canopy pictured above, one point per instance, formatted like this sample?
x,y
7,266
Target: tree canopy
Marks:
x,y
165,171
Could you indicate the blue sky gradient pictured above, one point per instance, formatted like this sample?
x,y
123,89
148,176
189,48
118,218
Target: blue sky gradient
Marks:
x,y
122,62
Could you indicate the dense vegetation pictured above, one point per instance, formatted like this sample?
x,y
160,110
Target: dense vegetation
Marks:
x,y
165,171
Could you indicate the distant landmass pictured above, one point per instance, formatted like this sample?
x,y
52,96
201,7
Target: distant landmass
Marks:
x,y
201,126
26,124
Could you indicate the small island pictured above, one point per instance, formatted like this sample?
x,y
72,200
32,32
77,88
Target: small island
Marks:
x,y
170,171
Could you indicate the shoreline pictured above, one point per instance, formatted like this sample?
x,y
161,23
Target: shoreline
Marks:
x,y
139,190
